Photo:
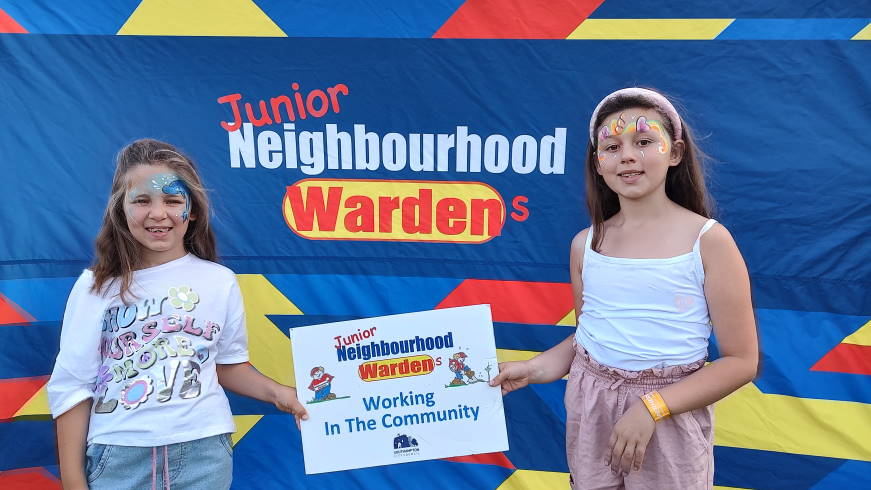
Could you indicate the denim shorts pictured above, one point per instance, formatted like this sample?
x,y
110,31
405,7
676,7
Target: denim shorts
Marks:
x,y
201,464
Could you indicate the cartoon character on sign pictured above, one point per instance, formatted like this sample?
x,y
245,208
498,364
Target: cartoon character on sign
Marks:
x,y
321,384
457,364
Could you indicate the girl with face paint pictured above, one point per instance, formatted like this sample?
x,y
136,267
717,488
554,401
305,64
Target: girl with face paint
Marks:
x,y
653,278
153,334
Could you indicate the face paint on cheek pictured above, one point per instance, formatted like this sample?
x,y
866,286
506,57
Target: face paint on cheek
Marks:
x,y
171,184
664,145
600,157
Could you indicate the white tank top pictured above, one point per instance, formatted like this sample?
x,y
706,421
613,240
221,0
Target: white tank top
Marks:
x,y
644,313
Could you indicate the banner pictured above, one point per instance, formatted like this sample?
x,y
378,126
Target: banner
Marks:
x,y
381,173
398,388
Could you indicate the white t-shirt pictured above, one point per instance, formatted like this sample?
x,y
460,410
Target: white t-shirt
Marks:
x,y
150,365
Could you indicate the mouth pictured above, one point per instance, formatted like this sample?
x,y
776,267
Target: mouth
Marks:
x,y
630,173
630,176
158,230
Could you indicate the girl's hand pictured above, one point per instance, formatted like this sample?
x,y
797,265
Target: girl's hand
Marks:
x,y
629,439
286,401
513,375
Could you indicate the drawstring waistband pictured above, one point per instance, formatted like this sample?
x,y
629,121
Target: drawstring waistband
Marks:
x,y
652,378
154,468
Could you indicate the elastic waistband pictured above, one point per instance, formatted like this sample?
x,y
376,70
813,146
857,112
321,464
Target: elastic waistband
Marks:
x,y
653,378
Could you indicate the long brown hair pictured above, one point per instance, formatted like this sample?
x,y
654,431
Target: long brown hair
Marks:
x,y
117,253
684,183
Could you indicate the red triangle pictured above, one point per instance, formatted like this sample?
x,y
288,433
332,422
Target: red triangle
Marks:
x,y
510,19
544,303
497,459
8,24
11,313
14,393
29,478
846,358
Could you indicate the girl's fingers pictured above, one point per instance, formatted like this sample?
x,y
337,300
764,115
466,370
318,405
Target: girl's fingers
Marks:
x,y
611,442
617,454
626,459
639,456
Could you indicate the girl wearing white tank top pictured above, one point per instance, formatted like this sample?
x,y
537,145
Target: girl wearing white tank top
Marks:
x,y
652,278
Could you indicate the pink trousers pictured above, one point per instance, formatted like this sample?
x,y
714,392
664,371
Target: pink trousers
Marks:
x,y
680,453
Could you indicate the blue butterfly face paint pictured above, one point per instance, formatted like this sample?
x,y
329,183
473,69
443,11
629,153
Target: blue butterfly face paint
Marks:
x,y
171,184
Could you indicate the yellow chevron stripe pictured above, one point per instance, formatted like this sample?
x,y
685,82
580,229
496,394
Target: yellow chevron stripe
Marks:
x,y
864,34
568,320
751,419
36,406
268,348
650,28
244,423
526,479
200,18
504,355
862,336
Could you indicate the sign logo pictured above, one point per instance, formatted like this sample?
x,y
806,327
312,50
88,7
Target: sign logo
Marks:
x,y
397,210
404,445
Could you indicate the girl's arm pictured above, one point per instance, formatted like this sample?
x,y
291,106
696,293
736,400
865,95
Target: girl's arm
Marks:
x,y
727,291
72,433
555,362
243,379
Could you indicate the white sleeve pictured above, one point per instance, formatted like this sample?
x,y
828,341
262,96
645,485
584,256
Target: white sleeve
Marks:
x,y
233,343
79,358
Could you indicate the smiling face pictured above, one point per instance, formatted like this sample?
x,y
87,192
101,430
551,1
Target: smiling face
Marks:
x,y
157,208
634,151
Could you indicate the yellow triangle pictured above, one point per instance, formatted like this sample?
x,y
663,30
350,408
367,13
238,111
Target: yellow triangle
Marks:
x,y
244,423
36,406
524,479
569,320
268,348
864,34
862,336
200,18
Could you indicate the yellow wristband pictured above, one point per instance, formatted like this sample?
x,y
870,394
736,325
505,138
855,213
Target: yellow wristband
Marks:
x,y
655,405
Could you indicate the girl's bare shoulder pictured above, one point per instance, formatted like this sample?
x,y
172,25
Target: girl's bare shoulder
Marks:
x,y
578,245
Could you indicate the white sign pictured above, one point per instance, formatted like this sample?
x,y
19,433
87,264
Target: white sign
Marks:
x,y
398,388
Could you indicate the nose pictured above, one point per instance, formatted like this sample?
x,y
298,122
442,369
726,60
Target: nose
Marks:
x,y
157,211
629,154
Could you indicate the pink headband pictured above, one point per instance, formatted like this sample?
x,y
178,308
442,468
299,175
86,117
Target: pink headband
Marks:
x,y
655,98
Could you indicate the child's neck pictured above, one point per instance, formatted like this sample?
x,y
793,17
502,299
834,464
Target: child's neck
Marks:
x,y
152,259
636,212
